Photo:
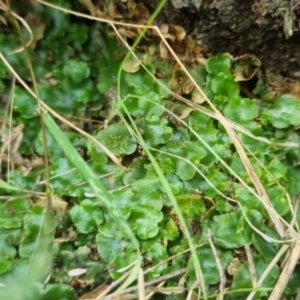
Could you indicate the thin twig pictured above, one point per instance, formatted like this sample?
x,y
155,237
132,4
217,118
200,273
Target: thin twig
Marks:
x,y
149,283
141,285
286,272
219,266
274,262
251,266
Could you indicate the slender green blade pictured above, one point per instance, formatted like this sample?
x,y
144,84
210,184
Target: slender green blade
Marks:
x,y
99,189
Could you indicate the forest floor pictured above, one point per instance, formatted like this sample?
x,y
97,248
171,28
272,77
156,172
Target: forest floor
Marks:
x,y
135,166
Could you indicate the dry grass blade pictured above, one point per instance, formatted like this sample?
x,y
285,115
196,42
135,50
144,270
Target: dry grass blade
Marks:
x,y
219,266
161,290
141,286
274,261
166,290
251,266
102,290
93,294
286,272
190,294
147,284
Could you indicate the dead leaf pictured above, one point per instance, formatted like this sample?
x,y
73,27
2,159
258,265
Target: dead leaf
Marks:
x,y
179,32
186,112
163,50
57,203
93,294
197,97
88,4
167,290
233,266
131,65
292,87
38,27
138,11
245,67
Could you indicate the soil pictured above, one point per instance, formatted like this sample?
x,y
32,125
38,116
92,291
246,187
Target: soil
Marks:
x,y
267,29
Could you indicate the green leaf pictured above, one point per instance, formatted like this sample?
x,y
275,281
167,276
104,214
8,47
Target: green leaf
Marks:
x,y
58,99
126,199
86,216
99,189
208,265
278,198
231,230
5,265
135,171
241,109
293,177
278,169
204,126
242,279
224,84
218,179
31,242
144,220
170,230
78,34
114,247
52,149
190,151
83,92
140,83
65,178
59,291
266,249
76,70
256,147
97,155
24,103
155,253
218,64
284,112
199,73
248,200
239,168
117,139
36,245
3,70
263,89
154,196
11,213
38,232
142,106
18,180
175,183
192,206
7,249
107,62
221,205
34,219
293,283
156,131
